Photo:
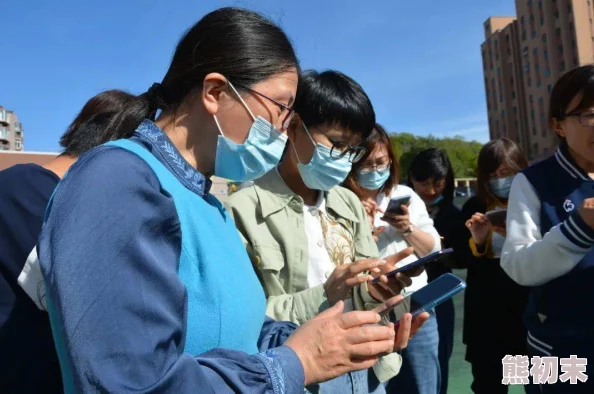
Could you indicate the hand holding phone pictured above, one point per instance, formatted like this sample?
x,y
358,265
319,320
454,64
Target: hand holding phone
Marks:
x,y
437,256
424,299
395,205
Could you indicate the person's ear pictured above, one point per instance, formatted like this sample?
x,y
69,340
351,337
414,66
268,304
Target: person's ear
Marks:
x,y
294,128
557,127
214,88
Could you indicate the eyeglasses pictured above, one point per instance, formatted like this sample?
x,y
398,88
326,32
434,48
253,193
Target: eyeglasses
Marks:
x,y
586,118
375,167
290,111
340,149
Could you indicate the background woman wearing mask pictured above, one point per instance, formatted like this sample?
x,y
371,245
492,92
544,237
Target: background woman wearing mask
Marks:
x,y
550,233
147,279
494,303
375,180
308,237
432,177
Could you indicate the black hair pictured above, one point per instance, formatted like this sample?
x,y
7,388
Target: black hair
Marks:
x,y
240,44
433,163
577,81
334,99
85,132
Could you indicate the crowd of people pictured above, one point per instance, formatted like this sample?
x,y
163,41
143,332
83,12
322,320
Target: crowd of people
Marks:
x,y
120,272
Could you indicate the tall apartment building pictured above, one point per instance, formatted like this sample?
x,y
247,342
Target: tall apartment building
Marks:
x,y
11,131
523,57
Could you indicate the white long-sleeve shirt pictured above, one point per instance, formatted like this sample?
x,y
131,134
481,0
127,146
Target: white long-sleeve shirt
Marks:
x,y
531,258
391,241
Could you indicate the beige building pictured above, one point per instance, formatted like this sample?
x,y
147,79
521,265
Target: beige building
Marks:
x,y
523,57
11,131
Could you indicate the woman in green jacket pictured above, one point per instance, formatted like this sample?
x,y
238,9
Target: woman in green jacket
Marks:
x,y
308,238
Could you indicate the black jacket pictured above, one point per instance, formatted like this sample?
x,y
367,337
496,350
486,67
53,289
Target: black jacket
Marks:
x,y
493,304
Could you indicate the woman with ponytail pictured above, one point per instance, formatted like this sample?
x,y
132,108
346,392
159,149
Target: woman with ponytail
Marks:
x,y
149,287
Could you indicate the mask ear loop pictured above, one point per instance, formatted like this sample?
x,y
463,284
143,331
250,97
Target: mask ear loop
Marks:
x,y
310,138
242,102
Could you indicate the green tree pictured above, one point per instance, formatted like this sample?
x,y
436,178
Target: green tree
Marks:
x,y
463,154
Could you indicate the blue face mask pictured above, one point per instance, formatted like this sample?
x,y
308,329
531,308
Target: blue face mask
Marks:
x,y
435,202
501,186
373,180
259,154
322,172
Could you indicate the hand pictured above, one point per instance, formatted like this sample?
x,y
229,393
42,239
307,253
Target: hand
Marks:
x,y
407,327
586,211
371,208
377,232
389,287
332,343
399,222
479,227
345,277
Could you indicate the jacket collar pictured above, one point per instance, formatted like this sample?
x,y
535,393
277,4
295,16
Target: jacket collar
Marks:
x,y
163,149
567,163
274,195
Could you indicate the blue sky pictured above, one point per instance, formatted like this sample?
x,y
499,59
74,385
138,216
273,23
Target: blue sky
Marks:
x,y
419,61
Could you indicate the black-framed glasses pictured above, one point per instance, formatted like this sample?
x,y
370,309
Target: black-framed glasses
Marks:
x,y
290,111
586,118
340,149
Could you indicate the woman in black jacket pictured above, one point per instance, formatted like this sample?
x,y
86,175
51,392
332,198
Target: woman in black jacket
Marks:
x,y
432,177
494,303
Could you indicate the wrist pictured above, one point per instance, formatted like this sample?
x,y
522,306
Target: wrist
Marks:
x,y
407,231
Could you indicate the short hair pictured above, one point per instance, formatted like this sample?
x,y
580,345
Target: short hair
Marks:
x,y
433,163
378,137
332,98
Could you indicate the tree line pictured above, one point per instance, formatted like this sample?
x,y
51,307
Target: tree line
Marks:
x,y
463,154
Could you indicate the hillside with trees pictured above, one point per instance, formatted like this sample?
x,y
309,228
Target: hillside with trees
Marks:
x,y
463,154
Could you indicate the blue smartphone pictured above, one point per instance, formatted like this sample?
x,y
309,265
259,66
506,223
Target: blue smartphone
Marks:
x,y
428,297
433,257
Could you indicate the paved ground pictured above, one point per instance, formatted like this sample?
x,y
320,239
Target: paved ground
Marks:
x,y
460,375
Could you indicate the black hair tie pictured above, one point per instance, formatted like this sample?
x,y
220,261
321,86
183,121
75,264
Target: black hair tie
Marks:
x,y
155,95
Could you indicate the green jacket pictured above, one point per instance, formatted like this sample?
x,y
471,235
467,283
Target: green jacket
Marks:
x,y
269,217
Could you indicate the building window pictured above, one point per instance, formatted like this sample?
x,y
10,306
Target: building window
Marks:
x,y
556,13
562,66
547,73
515,110
549,88
544,131
525,51
503,113
533,34
544,38
3,115
4,132
511,81
542,20
533,130
527,67
558,32
529,82
524,35
538,83
532,114
560,49
18,145
513,94
540,4
531,99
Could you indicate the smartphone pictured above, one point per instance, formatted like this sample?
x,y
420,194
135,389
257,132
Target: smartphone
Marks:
x,y
497,218
433,257
427,298
395,205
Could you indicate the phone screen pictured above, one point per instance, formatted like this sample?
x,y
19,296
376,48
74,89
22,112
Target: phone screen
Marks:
x,y
444,287
434,257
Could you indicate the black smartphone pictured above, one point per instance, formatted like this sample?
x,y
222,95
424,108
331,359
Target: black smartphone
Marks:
x,y
433,257
497,218
427,298
395,205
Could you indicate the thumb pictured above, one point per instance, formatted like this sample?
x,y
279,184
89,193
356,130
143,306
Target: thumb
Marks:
x,y
335,310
